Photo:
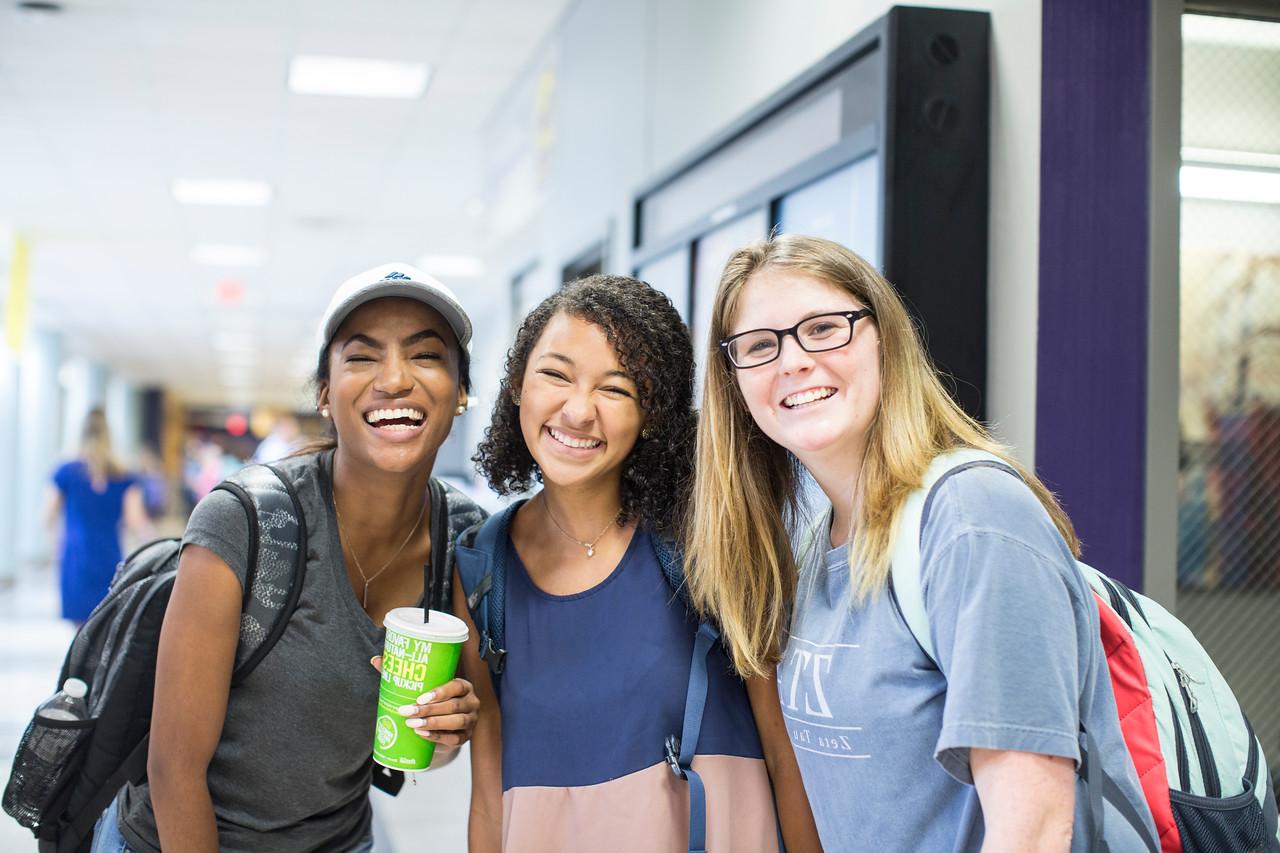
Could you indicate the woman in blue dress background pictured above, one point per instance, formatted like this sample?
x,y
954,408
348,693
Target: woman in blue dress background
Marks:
x,y
92,495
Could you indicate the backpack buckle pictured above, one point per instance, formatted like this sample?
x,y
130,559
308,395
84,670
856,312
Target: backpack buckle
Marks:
x,y
495,657
673,756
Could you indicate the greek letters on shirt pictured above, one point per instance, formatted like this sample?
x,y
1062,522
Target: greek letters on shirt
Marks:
x,y
805,704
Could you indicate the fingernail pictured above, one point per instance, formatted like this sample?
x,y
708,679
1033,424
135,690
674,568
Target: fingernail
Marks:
x,y
423,733
407,710
414,722
426,698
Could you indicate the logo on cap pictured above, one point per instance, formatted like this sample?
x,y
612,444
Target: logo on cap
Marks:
x,y
393,276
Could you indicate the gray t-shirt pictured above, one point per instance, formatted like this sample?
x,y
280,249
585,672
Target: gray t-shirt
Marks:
x,y
291,771
882,733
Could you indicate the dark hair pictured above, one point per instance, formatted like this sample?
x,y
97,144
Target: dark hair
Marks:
x,y
321,376
654,348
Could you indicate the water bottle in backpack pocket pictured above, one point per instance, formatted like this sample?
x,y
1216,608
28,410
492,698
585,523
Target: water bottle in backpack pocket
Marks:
x,y
49,753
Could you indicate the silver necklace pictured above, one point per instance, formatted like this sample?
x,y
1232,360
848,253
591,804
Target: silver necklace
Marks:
x,y
590,546
364,599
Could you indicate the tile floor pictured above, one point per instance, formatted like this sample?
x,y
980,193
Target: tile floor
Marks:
x,y
428,816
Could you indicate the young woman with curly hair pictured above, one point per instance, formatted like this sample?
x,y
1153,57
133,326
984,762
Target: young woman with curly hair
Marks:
x,y
596,406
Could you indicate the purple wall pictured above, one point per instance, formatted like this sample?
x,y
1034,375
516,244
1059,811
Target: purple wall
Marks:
x,y
1092,345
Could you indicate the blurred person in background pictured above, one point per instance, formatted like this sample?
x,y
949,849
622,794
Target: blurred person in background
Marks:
x,y
155,487
280,442
92,495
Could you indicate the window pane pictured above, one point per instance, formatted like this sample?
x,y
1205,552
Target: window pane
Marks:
x,y
711,252
844,207
1229,394
670,274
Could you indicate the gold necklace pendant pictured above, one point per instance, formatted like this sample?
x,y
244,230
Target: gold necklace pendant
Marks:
x,y
590,546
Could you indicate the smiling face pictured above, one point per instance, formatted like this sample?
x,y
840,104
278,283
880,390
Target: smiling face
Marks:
x,y
812,404
393,387
579,411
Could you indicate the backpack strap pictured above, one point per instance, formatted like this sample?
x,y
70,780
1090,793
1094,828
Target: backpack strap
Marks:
x,y
454,513
904,571
482,567
273,582
680,750
277,560
435,581
671,559
908,592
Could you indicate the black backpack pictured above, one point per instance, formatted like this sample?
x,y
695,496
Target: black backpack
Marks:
x,y
66,773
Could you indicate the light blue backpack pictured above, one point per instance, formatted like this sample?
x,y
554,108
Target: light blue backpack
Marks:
x,y
1217,793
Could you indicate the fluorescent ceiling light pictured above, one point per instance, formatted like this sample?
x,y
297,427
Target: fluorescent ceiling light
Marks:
x,y
233,341
221,255
229,192
1207,182
452,266
1237,32
238,359
361,78
1225,157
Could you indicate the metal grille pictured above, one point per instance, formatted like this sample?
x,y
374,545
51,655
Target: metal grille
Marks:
x,y
1229,409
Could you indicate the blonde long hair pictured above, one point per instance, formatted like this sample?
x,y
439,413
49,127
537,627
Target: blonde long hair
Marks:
x,y
95,448
747,488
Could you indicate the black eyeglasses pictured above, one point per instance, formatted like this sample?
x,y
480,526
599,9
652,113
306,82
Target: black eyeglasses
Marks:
x,y
815,334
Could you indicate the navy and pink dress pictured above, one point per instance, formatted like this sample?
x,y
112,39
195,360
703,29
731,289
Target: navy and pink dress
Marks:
x,y
593,684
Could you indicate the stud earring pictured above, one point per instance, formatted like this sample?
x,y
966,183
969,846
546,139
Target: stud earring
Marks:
x,y
462,407
645,434
515,398
324,411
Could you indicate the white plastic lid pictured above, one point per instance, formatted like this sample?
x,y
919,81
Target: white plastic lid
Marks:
x,y
443,627
75,688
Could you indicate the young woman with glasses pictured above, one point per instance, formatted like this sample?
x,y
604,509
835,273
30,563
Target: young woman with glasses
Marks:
x,y
814,365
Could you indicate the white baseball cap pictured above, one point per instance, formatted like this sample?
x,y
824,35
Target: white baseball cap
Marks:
x,y
393,280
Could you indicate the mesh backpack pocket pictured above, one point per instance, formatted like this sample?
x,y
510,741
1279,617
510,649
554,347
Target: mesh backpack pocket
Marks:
x,y
49,756
66,773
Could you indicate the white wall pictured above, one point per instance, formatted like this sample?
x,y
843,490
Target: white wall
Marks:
x,y
84,386
639,85
39,416
8,462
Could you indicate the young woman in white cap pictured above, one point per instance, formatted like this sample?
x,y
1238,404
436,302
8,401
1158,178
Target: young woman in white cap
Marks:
x,y
281,761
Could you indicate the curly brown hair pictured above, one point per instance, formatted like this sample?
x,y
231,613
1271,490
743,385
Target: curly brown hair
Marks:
x,y
654,348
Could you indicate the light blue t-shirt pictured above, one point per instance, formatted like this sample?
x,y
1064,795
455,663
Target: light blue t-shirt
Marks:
x,y
882,733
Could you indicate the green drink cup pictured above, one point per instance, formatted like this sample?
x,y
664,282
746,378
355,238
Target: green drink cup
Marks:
x,y
416,657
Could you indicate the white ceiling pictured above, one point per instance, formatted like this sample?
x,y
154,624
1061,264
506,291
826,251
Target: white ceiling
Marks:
x,y
103,105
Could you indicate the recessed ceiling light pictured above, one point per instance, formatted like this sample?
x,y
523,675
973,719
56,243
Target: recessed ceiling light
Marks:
x,y
219,255
228,192
452,266
1251,185
361,78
